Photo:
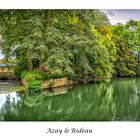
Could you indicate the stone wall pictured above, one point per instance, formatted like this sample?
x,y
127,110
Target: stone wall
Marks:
x,y
57,83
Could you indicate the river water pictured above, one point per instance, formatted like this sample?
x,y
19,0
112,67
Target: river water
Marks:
x,y
117,100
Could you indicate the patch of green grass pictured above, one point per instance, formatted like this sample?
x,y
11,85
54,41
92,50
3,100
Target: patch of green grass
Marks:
x,y
19,89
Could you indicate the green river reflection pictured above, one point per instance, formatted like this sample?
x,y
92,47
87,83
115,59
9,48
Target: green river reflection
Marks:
x,y
117,100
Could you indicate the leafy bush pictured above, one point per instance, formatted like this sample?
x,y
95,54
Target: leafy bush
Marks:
x,y
31,76
47,76
33,81
34,87
20,89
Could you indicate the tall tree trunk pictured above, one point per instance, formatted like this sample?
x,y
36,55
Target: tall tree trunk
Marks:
x,y
42,67
30,65
41,63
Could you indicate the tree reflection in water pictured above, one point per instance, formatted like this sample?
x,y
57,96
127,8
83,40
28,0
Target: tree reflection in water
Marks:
x,y
116,100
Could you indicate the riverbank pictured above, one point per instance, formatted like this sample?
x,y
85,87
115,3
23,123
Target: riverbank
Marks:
x,y
46,85
58,83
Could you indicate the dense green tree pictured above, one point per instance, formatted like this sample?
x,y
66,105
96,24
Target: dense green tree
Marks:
x,y
80,44
125,59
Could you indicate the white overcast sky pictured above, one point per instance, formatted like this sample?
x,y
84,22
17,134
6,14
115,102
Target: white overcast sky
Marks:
x,y
1,56
122,15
